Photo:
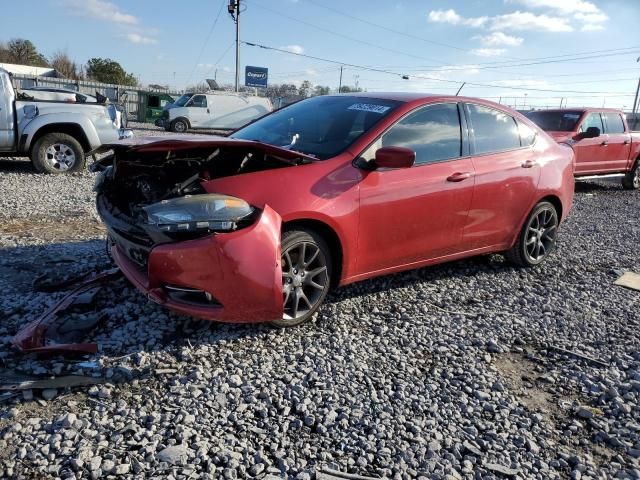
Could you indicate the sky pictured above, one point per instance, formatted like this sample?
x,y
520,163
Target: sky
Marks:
x,y
520,52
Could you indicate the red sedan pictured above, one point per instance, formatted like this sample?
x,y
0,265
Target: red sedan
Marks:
x,y
328,191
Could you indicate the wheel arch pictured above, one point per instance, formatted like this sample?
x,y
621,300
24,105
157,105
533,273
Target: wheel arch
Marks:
x,y
555,201
330,236
184,119
73,129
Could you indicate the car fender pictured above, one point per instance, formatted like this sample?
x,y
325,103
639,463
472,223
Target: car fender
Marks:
x,y
48,120
245,274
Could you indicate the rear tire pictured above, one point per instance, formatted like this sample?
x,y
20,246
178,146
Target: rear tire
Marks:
x,y
631,180
306,276
58,153
537,239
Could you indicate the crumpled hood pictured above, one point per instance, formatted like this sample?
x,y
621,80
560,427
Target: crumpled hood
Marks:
x,y
186,142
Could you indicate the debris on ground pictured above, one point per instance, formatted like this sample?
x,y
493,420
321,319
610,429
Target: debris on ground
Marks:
x,y
51,334
629,280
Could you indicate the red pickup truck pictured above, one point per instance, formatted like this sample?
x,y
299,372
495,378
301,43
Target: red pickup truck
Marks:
x,y
600,138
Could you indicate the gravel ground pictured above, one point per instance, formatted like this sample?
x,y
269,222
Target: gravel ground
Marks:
x,y
455,371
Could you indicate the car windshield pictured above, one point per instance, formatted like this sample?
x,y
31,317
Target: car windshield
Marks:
x,y
564,121
321,126
183,100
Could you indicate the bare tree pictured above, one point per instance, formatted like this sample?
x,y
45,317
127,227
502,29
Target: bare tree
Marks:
x,y
66,67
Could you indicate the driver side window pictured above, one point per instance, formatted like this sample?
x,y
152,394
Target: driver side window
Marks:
x,y
592,120
198,101
433,132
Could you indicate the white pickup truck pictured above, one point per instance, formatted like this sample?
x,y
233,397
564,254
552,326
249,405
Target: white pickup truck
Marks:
x,y
56,135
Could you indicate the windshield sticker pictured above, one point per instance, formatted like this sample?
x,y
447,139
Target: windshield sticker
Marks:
x,y
369,107
572,116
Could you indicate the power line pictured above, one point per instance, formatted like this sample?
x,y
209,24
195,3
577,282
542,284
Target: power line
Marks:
x,y
221,57
405,34
333,32
206,40
417,77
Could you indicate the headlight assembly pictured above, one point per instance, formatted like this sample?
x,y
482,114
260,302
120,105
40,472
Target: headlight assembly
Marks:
x,y
199,213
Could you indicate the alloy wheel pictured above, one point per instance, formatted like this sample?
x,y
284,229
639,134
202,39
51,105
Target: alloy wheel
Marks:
x,y
304,279
541,234
60,156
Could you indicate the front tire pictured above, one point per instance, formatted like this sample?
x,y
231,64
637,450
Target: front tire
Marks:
x,y
179,126
631,180
306,276
537,239
58,153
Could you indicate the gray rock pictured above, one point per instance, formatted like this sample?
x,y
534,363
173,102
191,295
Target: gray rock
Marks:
x,y
174,455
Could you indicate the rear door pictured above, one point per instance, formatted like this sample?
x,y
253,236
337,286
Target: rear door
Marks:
x,y
507,175
413,214
591,153
198,111
618,142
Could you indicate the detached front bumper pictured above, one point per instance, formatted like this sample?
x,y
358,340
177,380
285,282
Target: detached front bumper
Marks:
x,y
239,272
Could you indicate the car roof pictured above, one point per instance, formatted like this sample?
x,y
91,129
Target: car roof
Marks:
x,y
419,97
583,110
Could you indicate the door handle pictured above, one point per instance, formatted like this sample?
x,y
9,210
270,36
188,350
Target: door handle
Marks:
x,y
208,111
604,143
459,176
529,163
626,142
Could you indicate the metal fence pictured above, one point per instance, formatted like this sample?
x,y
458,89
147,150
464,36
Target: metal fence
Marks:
x,y
133,98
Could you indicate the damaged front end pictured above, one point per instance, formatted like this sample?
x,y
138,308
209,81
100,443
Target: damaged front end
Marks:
x,y
206,255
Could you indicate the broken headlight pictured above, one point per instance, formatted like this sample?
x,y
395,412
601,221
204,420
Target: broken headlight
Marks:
x,y
199,213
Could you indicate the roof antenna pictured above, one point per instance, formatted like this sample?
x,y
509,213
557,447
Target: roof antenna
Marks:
x,y
461,87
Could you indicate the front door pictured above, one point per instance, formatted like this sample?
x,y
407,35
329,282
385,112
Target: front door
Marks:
x,y
414,214
591,153
198,111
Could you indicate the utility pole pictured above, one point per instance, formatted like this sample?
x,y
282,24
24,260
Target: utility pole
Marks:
x,y
635,100
234,11
340,84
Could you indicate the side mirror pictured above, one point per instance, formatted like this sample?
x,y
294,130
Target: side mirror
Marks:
x,y
395,157
592,132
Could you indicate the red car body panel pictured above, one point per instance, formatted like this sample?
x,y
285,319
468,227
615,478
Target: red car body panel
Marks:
x,y
384,220
218,264
606,154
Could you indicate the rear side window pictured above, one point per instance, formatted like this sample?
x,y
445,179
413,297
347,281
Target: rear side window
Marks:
x,y
527,134
494,131
432,132
614,123
591,120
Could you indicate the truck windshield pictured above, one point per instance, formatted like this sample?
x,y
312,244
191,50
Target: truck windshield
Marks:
x,y
183,100
322,126
564,121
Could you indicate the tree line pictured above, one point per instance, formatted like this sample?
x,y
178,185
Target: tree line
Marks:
x,y
278,90
23,52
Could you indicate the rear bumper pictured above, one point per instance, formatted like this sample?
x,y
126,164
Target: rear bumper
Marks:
x,y
241,271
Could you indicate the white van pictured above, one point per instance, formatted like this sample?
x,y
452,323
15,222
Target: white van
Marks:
x,y
213,110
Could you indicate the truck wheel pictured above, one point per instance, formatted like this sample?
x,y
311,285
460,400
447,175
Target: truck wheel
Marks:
x,y
179,126
57,153
631,180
